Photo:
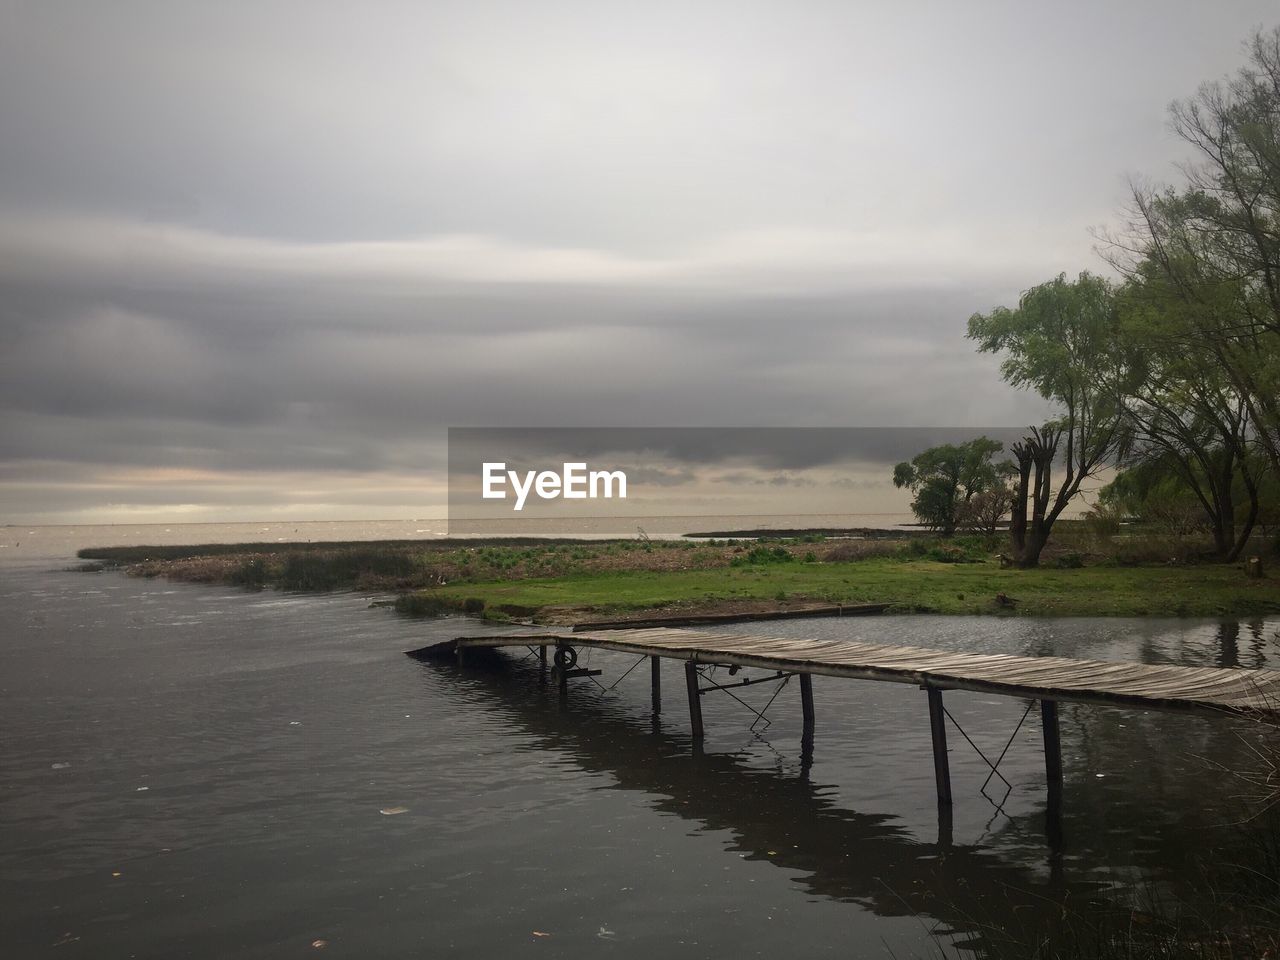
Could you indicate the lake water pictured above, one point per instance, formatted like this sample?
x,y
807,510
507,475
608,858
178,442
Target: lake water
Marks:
x,y
31,543
200,772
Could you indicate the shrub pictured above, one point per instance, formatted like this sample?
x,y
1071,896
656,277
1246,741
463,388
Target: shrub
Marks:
x,y
252,573
763,555
422,605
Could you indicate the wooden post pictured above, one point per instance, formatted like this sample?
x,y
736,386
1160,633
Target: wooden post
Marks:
x,y
938,726
542,664
946,828
695,698
1052,754
806,706
562,675
655,680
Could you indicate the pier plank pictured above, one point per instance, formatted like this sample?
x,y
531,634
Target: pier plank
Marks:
x,y
1156,686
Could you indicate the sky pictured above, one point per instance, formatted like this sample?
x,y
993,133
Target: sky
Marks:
x,y
256,258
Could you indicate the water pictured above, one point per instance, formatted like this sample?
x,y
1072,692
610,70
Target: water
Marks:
x,y
26,543
199,772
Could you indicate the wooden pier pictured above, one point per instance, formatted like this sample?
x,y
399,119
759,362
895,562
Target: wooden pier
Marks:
x,y
1050,680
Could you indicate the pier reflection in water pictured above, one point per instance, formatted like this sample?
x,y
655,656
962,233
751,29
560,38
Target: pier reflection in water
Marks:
x,y
786,816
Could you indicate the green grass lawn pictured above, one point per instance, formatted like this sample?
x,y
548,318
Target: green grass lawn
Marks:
x,y
957,588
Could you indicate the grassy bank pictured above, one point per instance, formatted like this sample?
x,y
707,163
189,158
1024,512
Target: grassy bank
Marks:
x,y
567,580
911,585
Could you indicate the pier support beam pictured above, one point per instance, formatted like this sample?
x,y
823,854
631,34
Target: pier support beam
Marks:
x,y
542,664
1052,772
806,706
655,682
695,698
938,727
562,669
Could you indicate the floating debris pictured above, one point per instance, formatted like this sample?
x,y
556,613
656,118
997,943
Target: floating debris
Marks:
x,y
393,811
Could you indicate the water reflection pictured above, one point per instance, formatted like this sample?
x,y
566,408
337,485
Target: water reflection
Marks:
x,y
1251,635
781,816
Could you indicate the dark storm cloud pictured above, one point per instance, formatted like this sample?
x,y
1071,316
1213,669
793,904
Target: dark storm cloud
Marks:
x,y
299,240
149,354
772,449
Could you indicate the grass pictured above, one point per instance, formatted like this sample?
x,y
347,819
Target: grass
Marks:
x,y
911,585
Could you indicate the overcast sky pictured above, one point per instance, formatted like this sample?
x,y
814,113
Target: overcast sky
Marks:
x,y
254,258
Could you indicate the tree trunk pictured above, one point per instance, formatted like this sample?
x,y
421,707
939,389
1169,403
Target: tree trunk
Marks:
x,y
1042,449
1018,509
1250,519
1037,537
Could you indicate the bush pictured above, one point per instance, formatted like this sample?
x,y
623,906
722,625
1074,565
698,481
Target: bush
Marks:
x,y
252,574
960,550
306,571
763,555
422,605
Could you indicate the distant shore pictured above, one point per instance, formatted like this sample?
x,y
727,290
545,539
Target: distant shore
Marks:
x,y
569,581
797,533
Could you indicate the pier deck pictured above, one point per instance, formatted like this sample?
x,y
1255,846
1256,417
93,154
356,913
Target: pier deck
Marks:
x,y
1141,685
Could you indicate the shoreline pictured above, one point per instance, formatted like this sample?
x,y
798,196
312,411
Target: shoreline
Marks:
x,y
571,581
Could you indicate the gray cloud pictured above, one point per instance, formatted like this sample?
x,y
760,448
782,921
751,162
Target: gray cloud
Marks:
x,y
285,246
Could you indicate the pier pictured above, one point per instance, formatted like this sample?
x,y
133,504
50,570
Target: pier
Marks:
x,y
1046,680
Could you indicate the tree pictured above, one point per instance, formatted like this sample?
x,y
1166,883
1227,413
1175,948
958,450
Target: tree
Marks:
x,y
1213,245
1188,422
946,477
986,510
1061,341
1161,488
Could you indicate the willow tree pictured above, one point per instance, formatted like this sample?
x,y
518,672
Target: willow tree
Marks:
x,y
1186,415
1212,244
1062,341
947,478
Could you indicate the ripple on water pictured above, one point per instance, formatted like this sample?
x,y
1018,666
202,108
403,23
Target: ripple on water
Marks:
x,y
271,731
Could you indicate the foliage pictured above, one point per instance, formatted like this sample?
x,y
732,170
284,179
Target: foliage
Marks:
x,y
946,479
1203,265
763,555
1062,342
984,512
1153,494
252,573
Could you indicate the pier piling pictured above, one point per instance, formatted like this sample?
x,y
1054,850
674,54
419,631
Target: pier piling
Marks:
x,y
695,698
938,727
806,706
1052,753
